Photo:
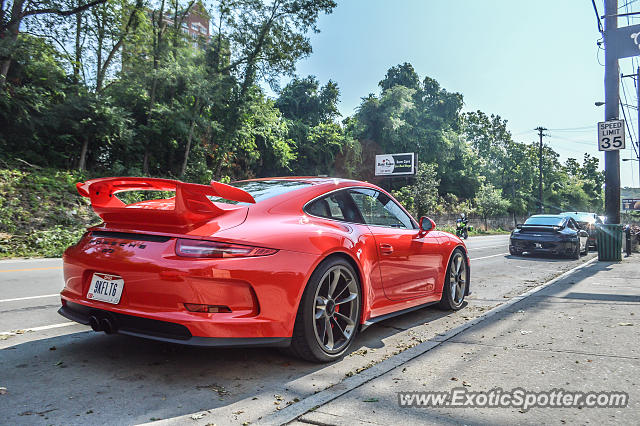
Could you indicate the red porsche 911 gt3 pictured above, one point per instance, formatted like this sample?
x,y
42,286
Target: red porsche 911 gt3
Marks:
x,y
298,262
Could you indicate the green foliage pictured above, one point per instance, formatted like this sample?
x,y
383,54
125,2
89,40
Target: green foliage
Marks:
x,y
46,243
323,146
41,212
421,198
40,199
489,202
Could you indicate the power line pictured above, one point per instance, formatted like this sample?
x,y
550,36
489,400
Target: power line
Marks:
x,y
572,128
624,92
584,142
627,4
595,9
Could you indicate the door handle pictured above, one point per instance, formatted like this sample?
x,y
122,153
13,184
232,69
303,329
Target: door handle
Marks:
x,y
386,248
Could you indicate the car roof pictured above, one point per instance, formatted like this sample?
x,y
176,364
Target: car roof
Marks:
x,y
315,186
578,213
556,216
314,180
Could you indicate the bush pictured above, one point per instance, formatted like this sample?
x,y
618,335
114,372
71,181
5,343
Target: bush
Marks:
x,y
47,243
41,212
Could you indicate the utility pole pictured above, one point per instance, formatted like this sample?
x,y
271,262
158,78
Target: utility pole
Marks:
x,y
611,112
540,130
638,140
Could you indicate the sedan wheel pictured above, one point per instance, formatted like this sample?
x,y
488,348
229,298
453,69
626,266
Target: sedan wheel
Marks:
x,y
329,313
456,281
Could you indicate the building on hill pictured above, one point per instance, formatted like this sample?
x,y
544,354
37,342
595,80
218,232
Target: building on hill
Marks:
x,y
195,25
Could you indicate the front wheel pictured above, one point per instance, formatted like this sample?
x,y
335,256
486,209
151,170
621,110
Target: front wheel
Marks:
x,y
329,313
455,282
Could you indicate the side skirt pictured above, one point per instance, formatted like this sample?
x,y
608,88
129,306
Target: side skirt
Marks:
x,y
377,319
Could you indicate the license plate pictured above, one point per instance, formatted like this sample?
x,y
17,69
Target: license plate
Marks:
x,y
105,288
538,245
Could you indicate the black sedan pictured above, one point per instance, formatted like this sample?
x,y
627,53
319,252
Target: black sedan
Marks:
x,y
551,234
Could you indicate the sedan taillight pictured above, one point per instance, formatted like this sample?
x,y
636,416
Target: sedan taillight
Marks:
x,y
197,248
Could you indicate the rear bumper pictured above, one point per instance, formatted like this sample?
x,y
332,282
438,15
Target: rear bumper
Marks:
x,y
162,330
262,293
548,247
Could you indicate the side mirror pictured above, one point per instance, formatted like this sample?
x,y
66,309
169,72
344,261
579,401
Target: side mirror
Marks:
x,y
519,226
426,224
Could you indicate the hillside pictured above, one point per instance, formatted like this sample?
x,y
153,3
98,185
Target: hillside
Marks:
x,y
41,212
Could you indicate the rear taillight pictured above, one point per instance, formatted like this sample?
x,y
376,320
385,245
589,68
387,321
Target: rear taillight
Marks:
x,y
196,248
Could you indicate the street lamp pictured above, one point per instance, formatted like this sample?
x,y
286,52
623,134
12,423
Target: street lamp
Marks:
x,y
630,159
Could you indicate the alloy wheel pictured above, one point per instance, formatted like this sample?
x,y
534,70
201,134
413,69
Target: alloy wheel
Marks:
x,y
336,305
458,278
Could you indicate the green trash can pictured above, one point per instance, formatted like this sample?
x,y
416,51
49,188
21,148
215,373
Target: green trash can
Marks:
x,y
609,242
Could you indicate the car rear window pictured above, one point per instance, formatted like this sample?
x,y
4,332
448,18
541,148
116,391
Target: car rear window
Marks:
x,y
263,189
581,217
545,221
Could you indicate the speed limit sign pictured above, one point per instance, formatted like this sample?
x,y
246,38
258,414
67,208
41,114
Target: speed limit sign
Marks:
x,y
611,135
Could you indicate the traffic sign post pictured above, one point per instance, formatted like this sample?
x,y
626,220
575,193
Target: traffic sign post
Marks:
x,y
611,135
611,111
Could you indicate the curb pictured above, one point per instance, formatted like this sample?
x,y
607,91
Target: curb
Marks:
x,y
292,412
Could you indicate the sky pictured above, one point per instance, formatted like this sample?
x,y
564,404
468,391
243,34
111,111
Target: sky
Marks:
x,y
534,63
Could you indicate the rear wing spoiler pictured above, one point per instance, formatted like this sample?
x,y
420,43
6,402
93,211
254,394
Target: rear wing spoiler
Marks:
x,y
189,207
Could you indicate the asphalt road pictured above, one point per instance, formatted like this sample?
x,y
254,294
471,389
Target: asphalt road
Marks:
x,y
57,372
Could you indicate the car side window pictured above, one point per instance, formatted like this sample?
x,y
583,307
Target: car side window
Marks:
x,y
378,209
337,205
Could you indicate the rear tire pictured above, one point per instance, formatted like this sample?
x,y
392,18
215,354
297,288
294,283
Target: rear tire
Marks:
x,y
456,282
329,313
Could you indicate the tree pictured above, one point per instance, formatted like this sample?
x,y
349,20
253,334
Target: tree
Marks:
x,y
311,112
12,15
489,202
422,197
417,116
401,75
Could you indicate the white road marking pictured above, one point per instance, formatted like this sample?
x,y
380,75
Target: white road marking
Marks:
x,y
43,327
485,247
30,297
486,257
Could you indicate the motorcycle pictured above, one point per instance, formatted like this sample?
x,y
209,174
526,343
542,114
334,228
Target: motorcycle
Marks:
x,y
462,226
